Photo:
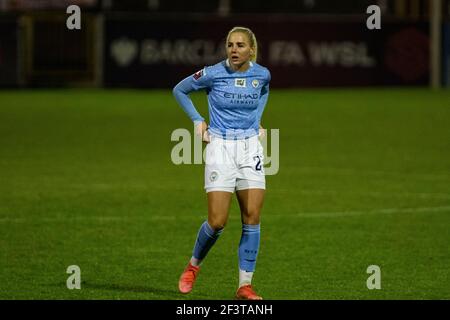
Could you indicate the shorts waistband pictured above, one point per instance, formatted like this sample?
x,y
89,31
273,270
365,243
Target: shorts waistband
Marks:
x,y
221,138
232,137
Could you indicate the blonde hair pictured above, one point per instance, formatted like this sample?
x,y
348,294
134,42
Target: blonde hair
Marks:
x,y
251,38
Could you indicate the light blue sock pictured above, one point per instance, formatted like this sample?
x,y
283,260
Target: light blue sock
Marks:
x,y
206,238
249,246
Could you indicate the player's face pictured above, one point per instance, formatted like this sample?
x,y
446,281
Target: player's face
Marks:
x,y
239,51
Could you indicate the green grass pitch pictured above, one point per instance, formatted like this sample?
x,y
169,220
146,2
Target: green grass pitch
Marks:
x,y
86,179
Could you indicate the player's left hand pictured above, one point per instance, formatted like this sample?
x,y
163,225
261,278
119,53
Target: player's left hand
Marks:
x,y
206,137
262,133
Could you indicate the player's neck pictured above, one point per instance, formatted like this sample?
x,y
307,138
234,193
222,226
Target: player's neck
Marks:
x,y
240,68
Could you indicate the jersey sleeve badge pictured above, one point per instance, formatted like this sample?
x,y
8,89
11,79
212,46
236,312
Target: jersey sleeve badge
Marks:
x,y
198,74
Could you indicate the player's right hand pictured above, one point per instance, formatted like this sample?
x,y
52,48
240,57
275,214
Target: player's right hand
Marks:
x,y
202,131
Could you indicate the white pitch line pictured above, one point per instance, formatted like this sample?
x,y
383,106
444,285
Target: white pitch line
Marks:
x,y
422,195
443,175
372,212
89,218
265,216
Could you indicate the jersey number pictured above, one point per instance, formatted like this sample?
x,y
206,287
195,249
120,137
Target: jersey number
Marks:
x,y
258,163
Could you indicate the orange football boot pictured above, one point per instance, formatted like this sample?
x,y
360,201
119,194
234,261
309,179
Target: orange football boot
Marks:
x,y
187,278
246,292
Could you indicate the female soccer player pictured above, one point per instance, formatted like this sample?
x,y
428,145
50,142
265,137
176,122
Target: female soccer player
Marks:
x,y
237,90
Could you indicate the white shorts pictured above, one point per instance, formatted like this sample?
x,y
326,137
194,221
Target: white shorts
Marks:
x,y
234,165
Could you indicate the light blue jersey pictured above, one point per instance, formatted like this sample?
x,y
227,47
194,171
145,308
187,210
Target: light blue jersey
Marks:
x,y
236,100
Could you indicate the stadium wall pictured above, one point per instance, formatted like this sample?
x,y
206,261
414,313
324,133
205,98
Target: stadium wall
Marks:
x,y
155,51
146,51
446,55
9,51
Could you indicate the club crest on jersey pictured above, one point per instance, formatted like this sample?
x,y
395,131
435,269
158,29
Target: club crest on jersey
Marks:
x,y
198,74
241,83
255,83
213,176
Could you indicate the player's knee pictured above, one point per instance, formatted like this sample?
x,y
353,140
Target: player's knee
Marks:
x,y
216,223
251,216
